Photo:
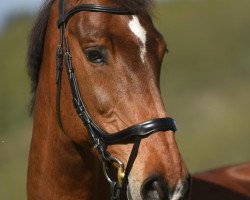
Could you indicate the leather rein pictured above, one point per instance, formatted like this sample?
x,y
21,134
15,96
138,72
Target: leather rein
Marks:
x,y
99,137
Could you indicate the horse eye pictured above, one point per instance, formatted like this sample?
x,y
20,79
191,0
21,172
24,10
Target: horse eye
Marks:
x,y
96,55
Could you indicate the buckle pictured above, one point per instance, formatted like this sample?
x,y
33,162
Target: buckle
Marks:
x,y
120,170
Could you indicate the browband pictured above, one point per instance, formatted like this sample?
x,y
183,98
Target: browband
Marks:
x,y
92,8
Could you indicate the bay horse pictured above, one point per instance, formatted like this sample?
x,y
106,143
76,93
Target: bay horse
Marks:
x,y
230,183
115,140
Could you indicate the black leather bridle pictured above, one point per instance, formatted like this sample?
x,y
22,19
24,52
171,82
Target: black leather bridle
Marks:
x,y
99,137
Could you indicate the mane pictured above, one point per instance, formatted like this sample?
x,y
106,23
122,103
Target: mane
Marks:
x,y
35,48
37,36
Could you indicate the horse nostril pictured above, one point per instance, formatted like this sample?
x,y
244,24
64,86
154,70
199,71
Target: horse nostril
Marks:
x,y
154,188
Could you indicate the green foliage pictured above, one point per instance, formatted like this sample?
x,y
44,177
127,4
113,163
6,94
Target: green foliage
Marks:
x,y
14,84
205,85
15,126
206,79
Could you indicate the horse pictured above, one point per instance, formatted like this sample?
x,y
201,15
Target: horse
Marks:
x,y
230,182
100,128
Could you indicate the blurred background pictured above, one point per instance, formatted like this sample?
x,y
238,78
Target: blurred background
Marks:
x,y
205,84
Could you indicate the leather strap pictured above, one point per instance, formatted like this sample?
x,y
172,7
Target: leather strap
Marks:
x,y
143,129
91,8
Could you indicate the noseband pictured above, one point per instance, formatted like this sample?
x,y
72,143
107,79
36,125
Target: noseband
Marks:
x,y
99,137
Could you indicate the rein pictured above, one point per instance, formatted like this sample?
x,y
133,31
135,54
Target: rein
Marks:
x,y
99,137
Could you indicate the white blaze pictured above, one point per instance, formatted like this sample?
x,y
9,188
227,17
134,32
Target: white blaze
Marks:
x,y
141,33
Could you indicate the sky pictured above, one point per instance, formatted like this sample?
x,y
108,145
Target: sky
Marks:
x,y
9,7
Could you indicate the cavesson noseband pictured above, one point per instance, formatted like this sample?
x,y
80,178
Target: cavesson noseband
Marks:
x,y
99,137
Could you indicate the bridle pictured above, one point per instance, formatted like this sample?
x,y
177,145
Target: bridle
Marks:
x,y
99,137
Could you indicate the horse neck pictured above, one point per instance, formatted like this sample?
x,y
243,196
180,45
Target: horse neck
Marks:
x,y
57,166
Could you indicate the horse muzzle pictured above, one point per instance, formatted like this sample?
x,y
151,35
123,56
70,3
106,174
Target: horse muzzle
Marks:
x,y
156,188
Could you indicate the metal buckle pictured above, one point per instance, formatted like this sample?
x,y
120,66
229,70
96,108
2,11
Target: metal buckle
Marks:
x,y
120,171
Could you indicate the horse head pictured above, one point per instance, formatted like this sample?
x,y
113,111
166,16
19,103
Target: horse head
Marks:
x,y
109,60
